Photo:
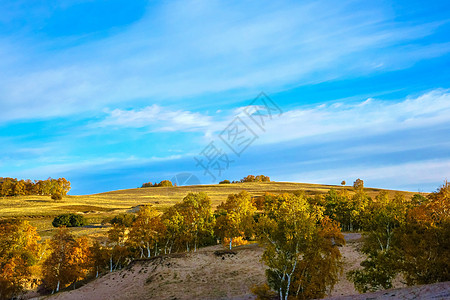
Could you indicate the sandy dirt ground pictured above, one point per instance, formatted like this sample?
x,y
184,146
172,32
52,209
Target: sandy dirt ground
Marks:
x,y
200,275
207,274
437,291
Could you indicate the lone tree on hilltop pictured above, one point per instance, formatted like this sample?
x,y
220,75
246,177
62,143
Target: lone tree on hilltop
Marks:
x,y
358,184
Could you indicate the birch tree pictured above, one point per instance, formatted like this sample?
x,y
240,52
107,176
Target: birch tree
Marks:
x,y
118,251
147,231
380,221
290,232
197,219
235,217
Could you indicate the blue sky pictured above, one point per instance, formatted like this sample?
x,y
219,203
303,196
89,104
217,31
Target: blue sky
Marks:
x,y
111,94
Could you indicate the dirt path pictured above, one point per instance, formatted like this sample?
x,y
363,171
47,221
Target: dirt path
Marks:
x,y
351,259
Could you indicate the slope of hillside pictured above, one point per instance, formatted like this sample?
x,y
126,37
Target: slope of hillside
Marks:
x,y
34,206
211,273
206,274
40,210
201,275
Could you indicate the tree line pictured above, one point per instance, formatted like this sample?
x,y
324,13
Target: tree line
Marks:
x,y
249,178
50,186
166,183
301,236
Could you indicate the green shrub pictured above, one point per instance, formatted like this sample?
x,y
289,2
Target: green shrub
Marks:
x,y
107,220
56,196
226,181
263,292
69,220
124,219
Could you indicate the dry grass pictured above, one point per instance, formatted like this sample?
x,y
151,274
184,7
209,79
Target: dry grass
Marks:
x,y
40,210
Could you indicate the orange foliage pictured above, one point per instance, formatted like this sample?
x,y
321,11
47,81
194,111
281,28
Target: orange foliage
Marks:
x,y
237,241
18,250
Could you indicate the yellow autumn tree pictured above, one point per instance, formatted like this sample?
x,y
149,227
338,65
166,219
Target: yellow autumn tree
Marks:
x,y
423,242
147,231
300,247
18,251
118,251
173,222
68,262
196,220
235,217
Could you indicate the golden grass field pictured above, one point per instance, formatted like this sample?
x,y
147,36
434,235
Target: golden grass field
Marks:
x,y
40,210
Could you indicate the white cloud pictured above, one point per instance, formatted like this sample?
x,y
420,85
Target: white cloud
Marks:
x,y
368,117
335,120
155,116
186,49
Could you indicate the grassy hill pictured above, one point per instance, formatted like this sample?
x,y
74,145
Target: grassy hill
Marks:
x,y
172,276
40,210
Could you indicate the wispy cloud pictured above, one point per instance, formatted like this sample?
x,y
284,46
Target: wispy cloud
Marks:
x,y
157,118
368,117
334,120
170,54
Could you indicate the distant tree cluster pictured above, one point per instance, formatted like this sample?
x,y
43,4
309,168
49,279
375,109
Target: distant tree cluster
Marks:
x,y
14,187
345,207
249,178
253,178
166,183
